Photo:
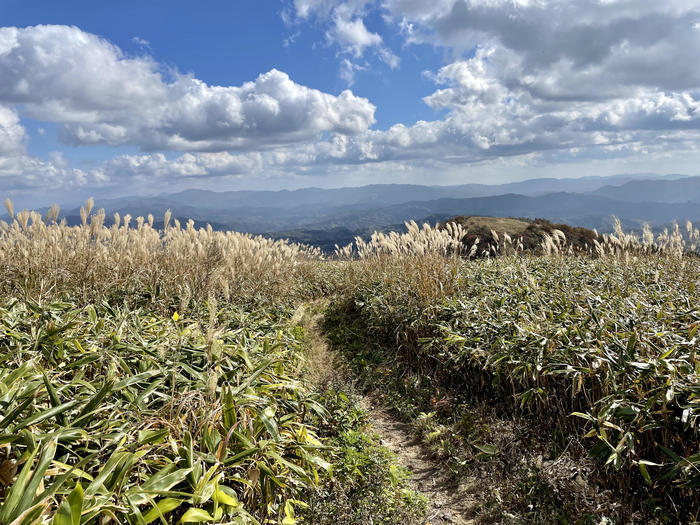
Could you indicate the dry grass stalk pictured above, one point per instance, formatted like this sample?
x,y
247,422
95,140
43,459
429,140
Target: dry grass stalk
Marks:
x,y
99,260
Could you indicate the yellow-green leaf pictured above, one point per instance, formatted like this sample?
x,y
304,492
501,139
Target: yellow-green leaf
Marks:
x,y
161,508
196,516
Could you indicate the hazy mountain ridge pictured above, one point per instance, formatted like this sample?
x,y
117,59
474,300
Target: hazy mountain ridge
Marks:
x,y
668,191
325,217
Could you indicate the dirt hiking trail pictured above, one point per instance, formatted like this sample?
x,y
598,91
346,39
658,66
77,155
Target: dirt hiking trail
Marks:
x,y
448,502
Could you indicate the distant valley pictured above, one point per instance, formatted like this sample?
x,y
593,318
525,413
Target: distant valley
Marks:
x,y
325,217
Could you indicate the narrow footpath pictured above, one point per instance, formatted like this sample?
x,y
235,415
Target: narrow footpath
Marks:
x,y
524,457
448,502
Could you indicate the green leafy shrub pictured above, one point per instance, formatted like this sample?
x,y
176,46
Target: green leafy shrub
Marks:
x,y
606,347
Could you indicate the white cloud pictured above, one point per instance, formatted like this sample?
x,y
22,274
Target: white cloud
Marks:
x,y
486,121
353,36
570,48
389,58
579,77
347,29
348,70
12,135
141,41
530,83
22,172
193,165
306,8
101,96
57,159
488,118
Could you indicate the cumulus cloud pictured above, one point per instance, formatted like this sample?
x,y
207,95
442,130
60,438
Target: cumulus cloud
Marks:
x,y
582,77
570,48
23,172
489,117
101,96
352,35
527,81
486,119
347,29
189,165
12,134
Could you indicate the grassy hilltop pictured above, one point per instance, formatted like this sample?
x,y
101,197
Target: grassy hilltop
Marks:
x,y
180,375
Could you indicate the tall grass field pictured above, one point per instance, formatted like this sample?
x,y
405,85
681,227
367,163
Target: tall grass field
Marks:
x,y
167,376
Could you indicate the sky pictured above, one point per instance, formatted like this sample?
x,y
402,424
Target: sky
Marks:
x,y
133,97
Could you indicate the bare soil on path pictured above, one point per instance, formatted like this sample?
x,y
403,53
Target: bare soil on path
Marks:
x,y
449,502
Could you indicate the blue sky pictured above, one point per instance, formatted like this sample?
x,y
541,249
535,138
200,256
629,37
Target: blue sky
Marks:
x,y
108,98
228,43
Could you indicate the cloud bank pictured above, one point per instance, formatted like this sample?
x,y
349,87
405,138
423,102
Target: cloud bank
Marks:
x,y
100,96
566,80
537,76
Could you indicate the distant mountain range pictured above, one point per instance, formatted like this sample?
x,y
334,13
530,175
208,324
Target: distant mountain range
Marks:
x,y
685,190
325,217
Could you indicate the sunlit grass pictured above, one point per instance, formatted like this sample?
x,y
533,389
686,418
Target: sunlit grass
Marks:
x,y
152,375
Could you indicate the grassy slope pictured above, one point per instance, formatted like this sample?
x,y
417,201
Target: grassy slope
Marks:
x,y
112,405
484,225
126,413
613,340
525,232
